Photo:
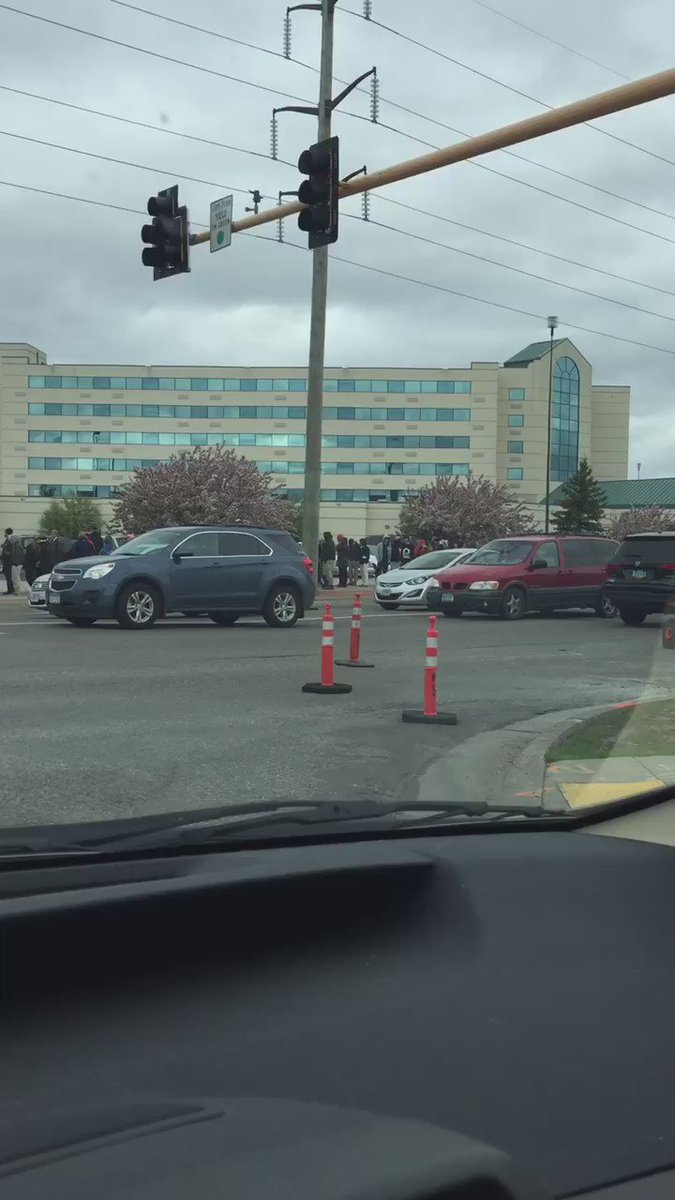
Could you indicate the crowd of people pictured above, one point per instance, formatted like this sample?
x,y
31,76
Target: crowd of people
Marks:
x,y
41,554
352,557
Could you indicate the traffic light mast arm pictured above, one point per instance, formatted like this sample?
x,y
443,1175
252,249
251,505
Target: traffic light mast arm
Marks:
x,y
628,95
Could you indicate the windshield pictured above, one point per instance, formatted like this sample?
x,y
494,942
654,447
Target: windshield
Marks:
x,y
317,488
149,543
430,562
501,553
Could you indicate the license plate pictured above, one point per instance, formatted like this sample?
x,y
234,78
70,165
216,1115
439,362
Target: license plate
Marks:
x,y
447,598
54,598
639,574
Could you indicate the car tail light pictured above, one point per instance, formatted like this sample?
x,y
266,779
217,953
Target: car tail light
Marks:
x,y
307,562
614,567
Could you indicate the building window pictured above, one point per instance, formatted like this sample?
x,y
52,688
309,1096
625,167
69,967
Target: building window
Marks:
x,y
514,447
516,393
514,473
565,420
516,420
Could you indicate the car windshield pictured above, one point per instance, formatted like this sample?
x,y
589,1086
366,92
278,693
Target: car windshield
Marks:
x,y
149,543
248,487
501,553
431,562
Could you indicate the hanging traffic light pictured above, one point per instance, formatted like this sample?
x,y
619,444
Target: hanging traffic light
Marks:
x,y
167,239
320,192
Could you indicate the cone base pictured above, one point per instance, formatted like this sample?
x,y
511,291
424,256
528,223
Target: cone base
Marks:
x,y
417,717
344,662
321,689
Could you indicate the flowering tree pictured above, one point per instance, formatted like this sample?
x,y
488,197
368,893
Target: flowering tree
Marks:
x,y
640,520
467,510
199,487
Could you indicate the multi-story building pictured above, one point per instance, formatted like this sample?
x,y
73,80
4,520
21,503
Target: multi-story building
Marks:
x,y
82,429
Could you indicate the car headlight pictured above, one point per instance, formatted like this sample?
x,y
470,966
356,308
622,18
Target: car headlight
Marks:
x,y
484,585
99,571
434,581
416,580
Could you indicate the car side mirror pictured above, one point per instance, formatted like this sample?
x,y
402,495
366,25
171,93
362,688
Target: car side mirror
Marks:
x,y
537,564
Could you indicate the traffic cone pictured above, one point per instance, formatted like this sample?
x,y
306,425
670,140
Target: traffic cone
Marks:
x,y
355,639
328,686
430,715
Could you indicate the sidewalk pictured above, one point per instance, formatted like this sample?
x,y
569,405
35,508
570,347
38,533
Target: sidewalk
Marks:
x,y
583,781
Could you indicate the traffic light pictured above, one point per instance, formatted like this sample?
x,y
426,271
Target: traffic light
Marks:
x,y
167,238
320,192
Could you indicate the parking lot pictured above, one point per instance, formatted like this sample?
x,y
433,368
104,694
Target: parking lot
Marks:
x,y
103,722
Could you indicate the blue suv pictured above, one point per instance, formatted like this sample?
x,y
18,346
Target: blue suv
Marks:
x,y
224,571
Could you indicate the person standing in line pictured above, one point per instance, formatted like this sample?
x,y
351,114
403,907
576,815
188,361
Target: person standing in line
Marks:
x,y
7,562
83,547
30,562
364,560
342,553
354,560
406,551
384,555
327,554
395,551
16,552
107,545
96,540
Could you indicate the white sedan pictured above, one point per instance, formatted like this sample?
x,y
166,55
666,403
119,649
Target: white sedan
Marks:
x,y
408,585
37,597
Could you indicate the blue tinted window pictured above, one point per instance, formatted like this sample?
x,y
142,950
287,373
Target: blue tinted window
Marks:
x,y
36,410
427,414
328,494
427,469
330,414
134,410
199,410
150,439
412,414
362,441
150,385
53,381
361,414
463,387
167,410
166,384
345,441
214,385
516,393
296,468
134,437
36,464
36,435
101,410
36,381
297,412
329,468
133,383
565,425
516,420
395,414
329,439
345,414
361,385
297,385
514,473
248,385
345,468
445,385
395,441
378,414
199,385
198,439
149,410
280,385
428,385
395,385
514,447
346,385
263,385
230,385
378,385
264,412
215,412
330,385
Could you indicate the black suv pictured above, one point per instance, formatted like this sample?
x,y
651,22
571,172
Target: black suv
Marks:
x,y
642,576
224,571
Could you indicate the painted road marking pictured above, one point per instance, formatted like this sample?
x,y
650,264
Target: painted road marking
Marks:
x,y
582,795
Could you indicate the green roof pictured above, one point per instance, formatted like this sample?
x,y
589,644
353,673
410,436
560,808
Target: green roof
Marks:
x,y
632,493
535,350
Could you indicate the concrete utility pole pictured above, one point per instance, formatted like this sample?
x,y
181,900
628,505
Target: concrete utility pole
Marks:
x,y
552,325
317,328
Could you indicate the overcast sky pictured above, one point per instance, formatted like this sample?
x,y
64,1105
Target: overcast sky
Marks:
x,y
72,279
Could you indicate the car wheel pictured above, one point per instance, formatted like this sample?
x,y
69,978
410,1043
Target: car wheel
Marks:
x,y
224,618
452,611
606,608
82,622
387,606
632,616
282,606
137,606
514,604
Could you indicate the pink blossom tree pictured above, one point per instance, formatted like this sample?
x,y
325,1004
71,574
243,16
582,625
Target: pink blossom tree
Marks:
x,y
640,520
200,487
467,510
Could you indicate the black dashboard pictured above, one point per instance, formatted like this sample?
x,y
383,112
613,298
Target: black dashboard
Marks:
x,y
367,1018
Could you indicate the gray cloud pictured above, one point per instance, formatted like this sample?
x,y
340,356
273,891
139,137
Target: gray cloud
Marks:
x,y
73,282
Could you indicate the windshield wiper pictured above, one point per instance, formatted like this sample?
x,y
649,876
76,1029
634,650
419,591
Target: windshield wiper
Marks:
x,y
219,826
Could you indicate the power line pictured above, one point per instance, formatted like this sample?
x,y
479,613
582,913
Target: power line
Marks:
x,y
523,245
363,266
547,38
180,62
123,162
392,103
437,287
517,270
500,83
97,112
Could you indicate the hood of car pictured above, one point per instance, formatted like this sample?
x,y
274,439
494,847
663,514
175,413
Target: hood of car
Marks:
x,y
398,576
471,572
83,563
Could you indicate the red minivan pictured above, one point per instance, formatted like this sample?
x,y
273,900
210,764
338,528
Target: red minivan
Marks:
x,y
512,576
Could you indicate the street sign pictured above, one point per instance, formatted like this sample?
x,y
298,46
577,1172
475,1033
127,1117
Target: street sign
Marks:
x,y
221,223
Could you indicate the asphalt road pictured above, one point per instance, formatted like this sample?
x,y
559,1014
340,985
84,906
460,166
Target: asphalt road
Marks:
x,y
103,722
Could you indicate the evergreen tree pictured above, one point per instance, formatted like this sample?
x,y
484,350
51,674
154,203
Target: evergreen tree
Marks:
x,y
581,508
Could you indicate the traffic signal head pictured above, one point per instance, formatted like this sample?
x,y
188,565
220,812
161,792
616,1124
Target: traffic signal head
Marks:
x,y
320,192
167,237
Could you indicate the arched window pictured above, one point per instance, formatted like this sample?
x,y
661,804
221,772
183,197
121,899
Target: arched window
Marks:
x,y
565,420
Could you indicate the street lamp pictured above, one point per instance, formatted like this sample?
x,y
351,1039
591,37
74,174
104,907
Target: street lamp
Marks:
x,y
552,325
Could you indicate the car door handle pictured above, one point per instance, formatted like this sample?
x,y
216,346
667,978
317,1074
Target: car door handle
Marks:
x,y
218,564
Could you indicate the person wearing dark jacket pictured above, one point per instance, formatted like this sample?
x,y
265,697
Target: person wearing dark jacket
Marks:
x,y
83,547
30,562
327,554
7,561
354,560
96,540
342,560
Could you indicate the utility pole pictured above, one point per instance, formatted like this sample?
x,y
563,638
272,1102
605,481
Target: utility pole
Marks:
x,y
552,324
317,327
